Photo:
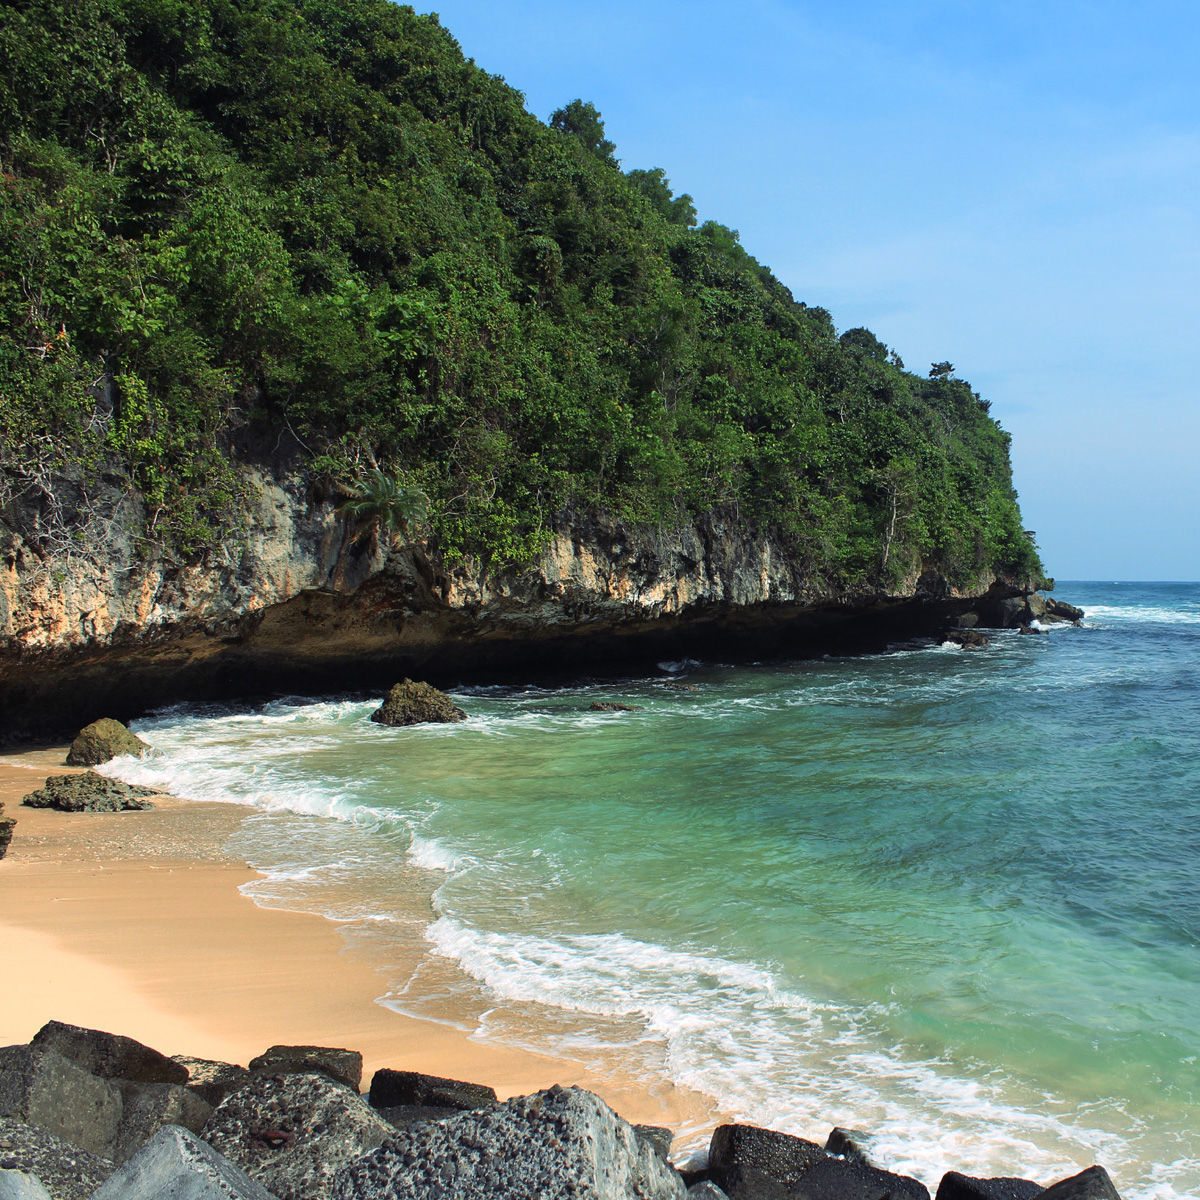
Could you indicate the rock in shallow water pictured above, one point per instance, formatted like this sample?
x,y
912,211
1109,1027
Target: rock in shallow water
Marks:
x,y
410,703
965,1187
88,792
101,740
556,1144
1092,1184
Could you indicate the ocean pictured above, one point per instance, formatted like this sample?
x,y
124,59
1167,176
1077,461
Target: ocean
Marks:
x,y
948,897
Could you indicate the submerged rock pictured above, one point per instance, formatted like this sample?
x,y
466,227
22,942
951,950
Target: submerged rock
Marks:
x,y
410,703
177,1165
101,740
88,792
343,1066
968,639
292,1133
66,1172
559,1143
612,706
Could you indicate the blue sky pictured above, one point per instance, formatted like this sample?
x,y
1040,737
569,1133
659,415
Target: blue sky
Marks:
x,y
1014,187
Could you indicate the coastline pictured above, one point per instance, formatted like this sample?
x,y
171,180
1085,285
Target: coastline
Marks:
x,y
133,923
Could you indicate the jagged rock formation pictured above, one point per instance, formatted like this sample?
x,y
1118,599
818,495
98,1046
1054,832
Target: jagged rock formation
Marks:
x,y
88,792
409,703
288,609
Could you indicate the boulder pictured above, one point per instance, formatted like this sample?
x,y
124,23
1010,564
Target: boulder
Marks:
x,y
842,1179
211,1080
705,1190
148,1107
555,1144
747,1162
88,792
402,1115
108,1055
65,1171
177,1165
1060,610
6,832
344,1066
852,1144
390,1089
612,706
291,1133
657,1137
17,1185
967,639
101,740
45,1089
965,1187
410,703
1030,629
1092,1184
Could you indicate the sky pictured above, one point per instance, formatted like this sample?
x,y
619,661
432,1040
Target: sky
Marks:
x,y
1013,187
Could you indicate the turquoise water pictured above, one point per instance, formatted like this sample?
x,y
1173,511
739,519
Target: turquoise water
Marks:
x,y
951,897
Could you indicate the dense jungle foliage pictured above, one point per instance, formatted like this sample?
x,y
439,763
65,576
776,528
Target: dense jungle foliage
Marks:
x,y
231,225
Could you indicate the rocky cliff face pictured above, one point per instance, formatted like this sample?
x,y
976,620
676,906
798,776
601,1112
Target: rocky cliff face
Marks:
x,y
296,605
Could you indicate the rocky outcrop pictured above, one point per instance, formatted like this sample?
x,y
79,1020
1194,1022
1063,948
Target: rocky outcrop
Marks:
x,y
88,792
64,1170
102,740
289,606
966,1187
409,703
556,1144
108,1055
211,1081
342,1066
175,1164
292,1133
390,1089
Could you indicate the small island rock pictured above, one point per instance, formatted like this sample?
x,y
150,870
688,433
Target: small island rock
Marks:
x,y
411,703
101,740
88,792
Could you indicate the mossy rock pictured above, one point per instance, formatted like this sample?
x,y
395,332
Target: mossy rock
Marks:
x,y
88,792
410,703
6,832
101,740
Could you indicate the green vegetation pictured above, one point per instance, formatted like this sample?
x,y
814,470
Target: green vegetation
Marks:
x,y
236,226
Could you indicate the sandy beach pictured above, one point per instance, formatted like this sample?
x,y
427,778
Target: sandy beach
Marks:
x,y
133,923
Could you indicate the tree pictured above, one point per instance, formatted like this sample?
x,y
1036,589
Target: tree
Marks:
x,y
866,343
941,370
381,502
582,120
656,187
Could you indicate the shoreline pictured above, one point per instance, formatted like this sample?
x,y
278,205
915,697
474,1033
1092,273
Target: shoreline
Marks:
x,y
149,936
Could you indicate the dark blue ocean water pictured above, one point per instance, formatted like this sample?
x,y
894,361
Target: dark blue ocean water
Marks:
x,y
951,897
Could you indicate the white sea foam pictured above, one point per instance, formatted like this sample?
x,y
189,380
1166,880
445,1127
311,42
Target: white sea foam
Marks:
x,y
1145,614
775,1056
432,855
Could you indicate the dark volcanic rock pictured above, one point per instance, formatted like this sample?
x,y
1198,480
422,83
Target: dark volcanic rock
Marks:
x,y
657,1137
88,792
66,1172
150,1106
968,639
748,1162
101,740
175,1165
612,706
1060,610
391,1089
410,703
556,1144
45,1089
344,1066
211,1080
108,1055
403,1115
964,1187
292,1132
851,1144
1092,1184
841,1179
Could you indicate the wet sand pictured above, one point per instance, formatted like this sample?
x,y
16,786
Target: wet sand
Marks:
x,y
133,923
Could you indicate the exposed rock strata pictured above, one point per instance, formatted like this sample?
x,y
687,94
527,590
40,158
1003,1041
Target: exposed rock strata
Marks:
x,y
289,607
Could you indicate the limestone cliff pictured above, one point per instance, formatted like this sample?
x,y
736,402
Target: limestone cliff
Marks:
x,y
294,604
